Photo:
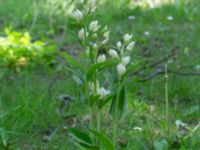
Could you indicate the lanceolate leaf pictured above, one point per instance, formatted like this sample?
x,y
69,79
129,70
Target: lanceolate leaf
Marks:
x,y
93,99
97,67
81,137
131,69
106,143
86,147
4,136
121,102
102,103
113,107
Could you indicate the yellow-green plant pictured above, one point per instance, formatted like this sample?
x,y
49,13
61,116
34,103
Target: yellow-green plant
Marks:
x,y
93,38
18,50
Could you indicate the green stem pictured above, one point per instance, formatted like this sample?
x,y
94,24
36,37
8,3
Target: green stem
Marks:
x,y
98,111
115,132
166,100
115,118
98,120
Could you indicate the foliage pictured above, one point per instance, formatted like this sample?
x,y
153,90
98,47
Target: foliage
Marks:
x,y
17,50
28,100
84,140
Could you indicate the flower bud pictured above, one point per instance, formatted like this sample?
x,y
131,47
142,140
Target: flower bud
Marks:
x,y
113,53
101,58
130,46
95,46
127,37
146,33
78,15
92,5
81,34
94,36
106,34
105,41
102,92
170,18
125,60
105,29
121,69
119,44
93,26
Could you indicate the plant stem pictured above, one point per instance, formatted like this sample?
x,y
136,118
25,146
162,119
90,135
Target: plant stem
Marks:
x,y
114,132
98,120
166,100
115,117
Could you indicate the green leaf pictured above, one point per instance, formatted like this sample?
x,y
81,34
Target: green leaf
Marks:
x,y
93,99
78,79
161,144
102,103
78,76
99,66
117,111
85,146
131,69
4,136
81,137
192,110
103,139
113,106
122,102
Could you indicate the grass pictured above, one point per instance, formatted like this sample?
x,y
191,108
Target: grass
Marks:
x,y
28,100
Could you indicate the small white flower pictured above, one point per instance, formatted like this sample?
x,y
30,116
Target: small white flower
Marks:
x,y
130,46
81,34
93,26
119,44
198,67
137,129
101,58
170,18
131,17
146,33
125,60
113,53
92,5
127,37
94,36
78,15
121,69
102,92
106,34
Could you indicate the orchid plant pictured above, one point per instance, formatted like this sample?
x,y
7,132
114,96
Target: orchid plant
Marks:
x,y
93,37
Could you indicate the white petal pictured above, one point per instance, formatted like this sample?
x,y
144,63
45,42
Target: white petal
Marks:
x,y
121,69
